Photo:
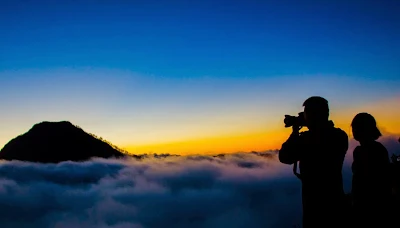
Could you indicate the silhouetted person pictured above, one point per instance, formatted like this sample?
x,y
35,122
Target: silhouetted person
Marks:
x,y
320,152
371,188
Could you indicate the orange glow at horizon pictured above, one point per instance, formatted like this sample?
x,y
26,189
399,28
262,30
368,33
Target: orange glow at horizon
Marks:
x,y
257,141
386,112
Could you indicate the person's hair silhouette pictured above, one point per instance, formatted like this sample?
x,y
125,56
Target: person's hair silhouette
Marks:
x,y
364,127
371,184
320,152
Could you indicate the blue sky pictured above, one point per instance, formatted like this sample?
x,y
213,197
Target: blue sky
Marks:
x,y
197,38
182,67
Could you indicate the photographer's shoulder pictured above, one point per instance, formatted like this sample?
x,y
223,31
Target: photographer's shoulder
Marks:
x,y
304,133
340,132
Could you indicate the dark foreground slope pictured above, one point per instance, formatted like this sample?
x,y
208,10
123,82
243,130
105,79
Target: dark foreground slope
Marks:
x,y
52,142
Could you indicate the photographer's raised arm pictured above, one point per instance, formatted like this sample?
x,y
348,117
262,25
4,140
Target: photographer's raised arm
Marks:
x,y
290,151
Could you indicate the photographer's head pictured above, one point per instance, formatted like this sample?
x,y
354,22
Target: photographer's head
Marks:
x,y
316,111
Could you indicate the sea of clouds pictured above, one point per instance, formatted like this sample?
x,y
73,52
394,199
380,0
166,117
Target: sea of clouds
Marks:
x,y
237,190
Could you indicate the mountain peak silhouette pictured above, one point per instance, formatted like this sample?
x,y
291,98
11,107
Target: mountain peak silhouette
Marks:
x,y
53,142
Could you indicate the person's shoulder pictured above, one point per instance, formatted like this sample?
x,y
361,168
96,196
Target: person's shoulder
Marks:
x,y
379,146
340,133
357,149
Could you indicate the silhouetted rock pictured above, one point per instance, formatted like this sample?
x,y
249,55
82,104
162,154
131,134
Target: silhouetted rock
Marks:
x,y
53,142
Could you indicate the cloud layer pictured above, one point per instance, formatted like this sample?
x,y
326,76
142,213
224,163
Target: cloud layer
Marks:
x,y
236,191
239,190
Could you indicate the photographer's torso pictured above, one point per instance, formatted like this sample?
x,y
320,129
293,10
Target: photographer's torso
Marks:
x,y
321,164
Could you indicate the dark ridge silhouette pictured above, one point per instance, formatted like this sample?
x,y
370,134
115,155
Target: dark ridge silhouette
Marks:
x,y
154,155
219,156
53,142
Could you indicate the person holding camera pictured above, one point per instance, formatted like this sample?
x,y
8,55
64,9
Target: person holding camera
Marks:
x,y
320,152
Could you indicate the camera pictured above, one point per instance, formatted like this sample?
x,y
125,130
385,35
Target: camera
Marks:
x,y
295,120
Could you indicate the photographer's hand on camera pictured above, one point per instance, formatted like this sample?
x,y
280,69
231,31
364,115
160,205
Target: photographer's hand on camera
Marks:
x,y
292,149
296,129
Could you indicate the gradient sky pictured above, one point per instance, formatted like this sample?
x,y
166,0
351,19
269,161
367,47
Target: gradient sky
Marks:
x,y
195,76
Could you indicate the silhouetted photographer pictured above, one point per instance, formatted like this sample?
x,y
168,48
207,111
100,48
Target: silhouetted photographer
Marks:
x,y
320,152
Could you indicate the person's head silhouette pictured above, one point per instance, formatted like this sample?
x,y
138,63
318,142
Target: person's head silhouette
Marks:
x,y
364,128
316,112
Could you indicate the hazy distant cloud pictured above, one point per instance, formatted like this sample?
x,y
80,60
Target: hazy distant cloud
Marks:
x,y
391,142
240,190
